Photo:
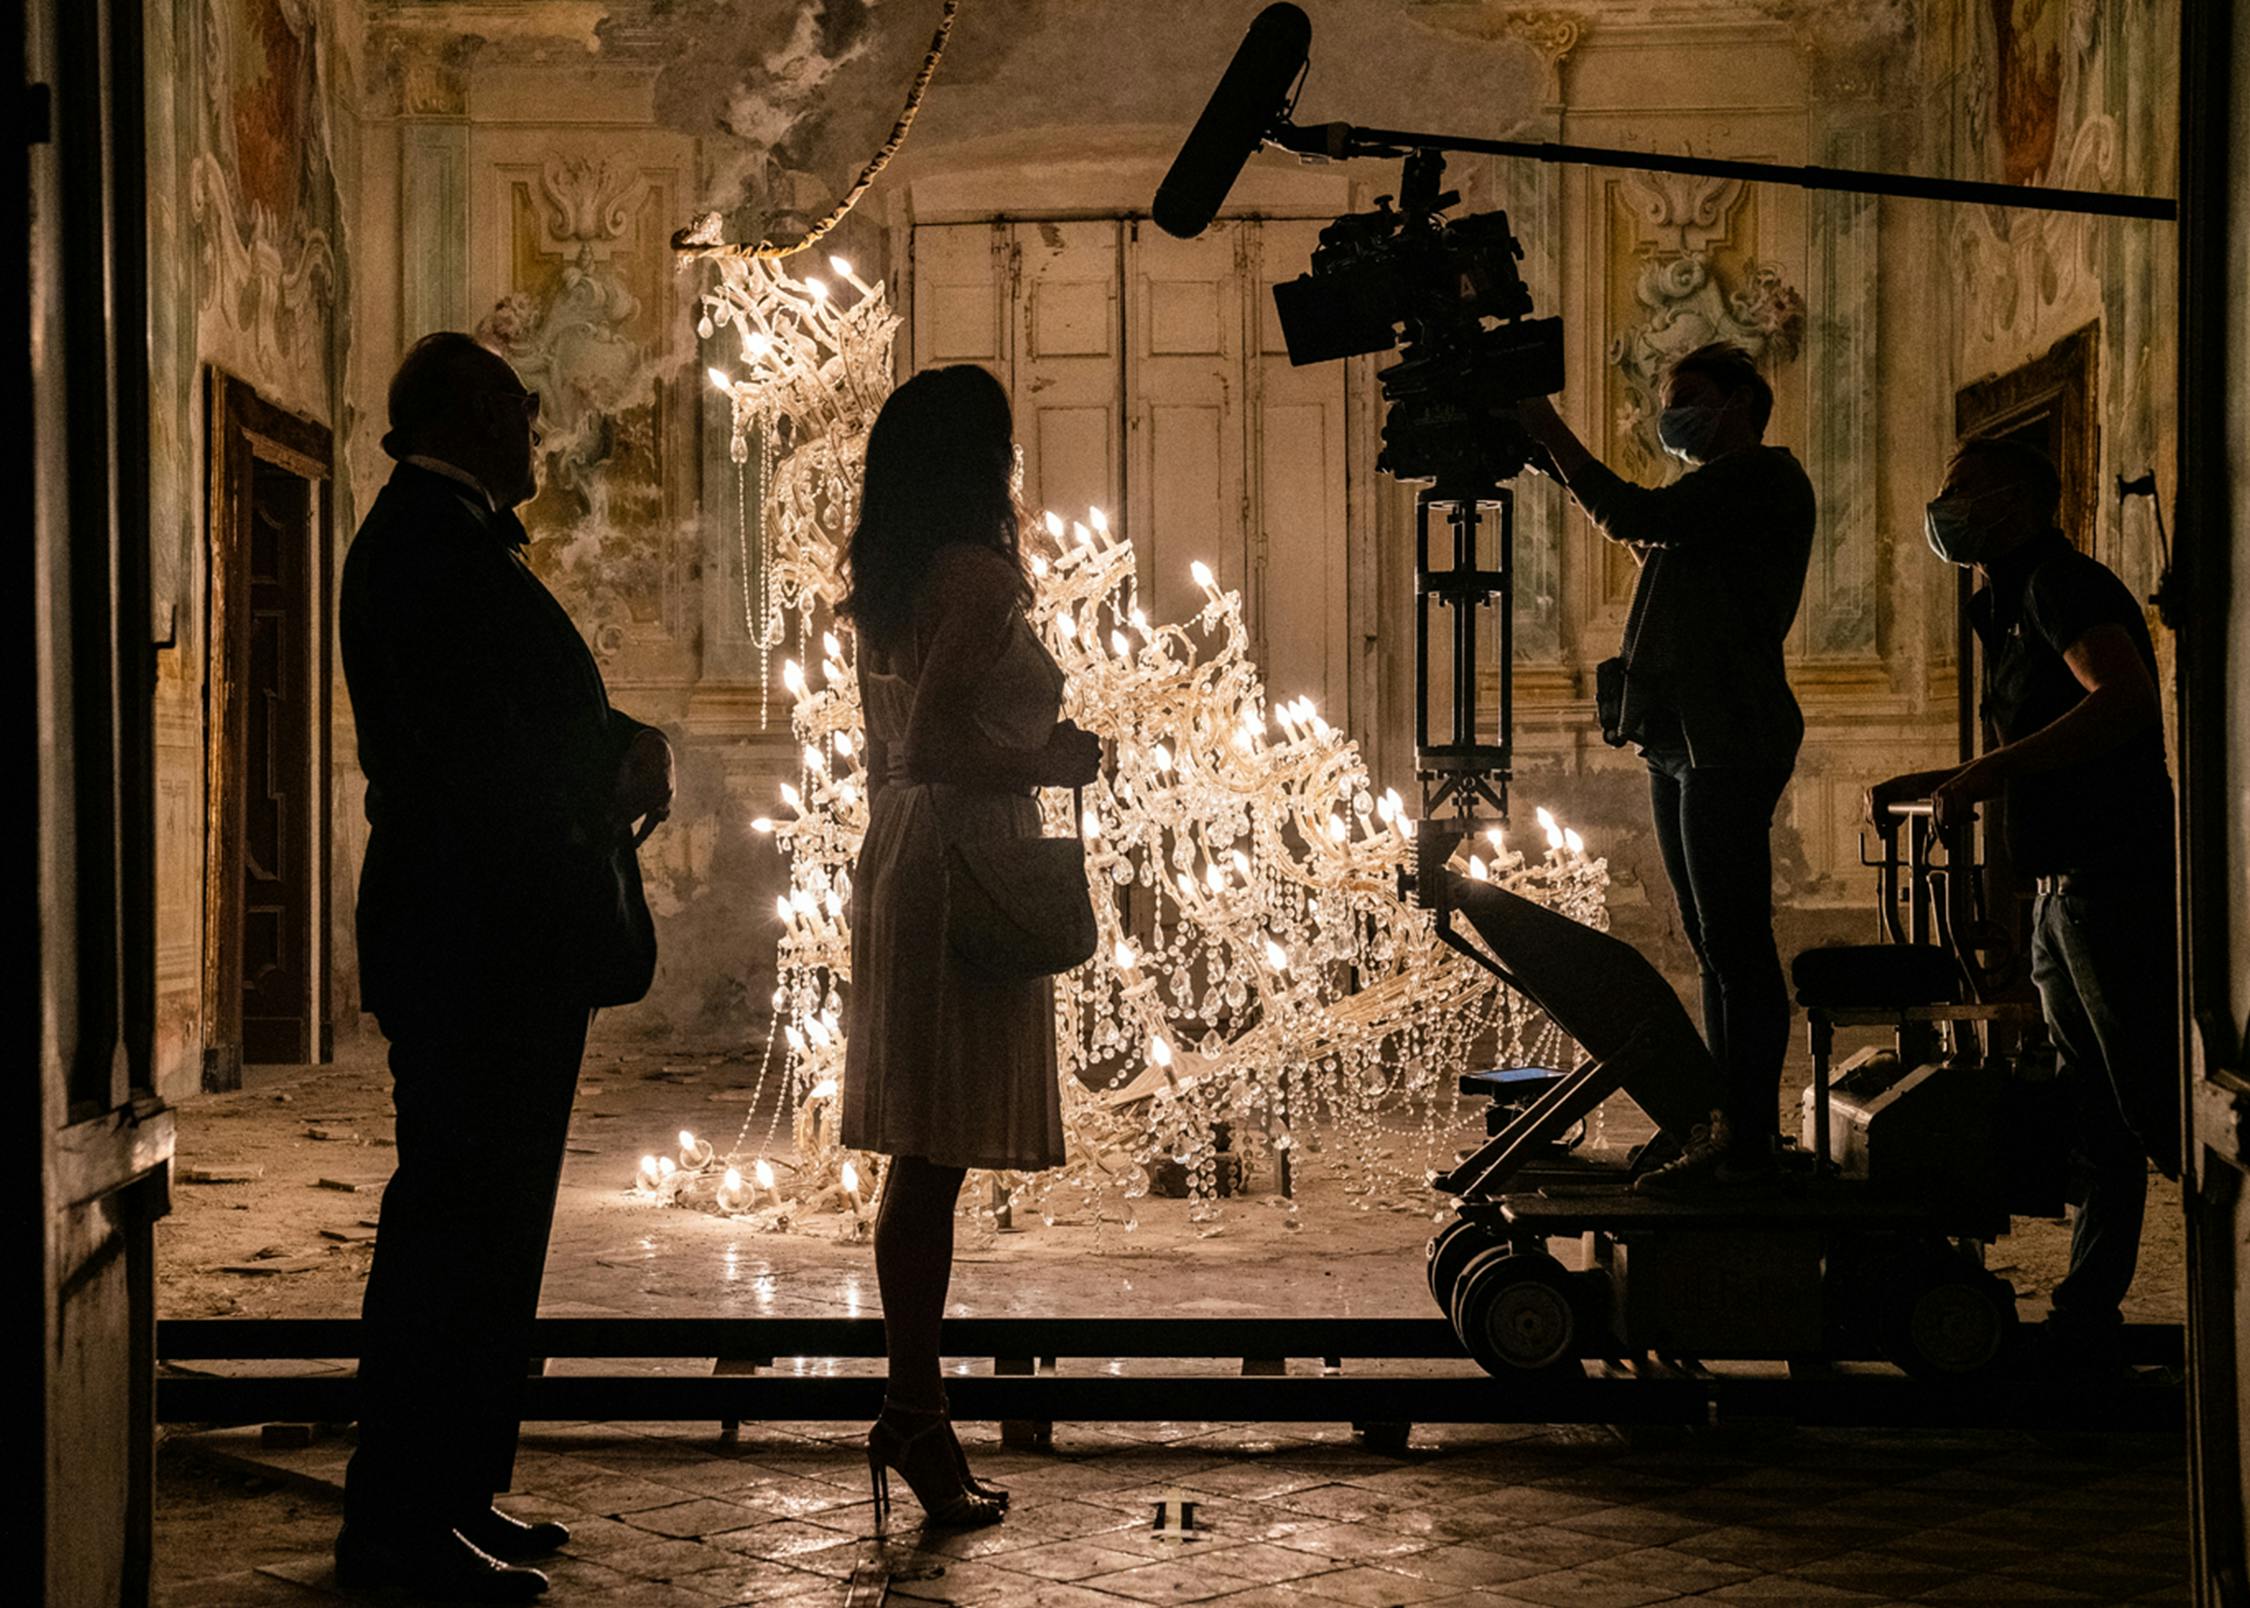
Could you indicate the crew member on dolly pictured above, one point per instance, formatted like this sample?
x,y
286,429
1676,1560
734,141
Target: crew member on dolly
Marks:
x,y
1699,687
2070,687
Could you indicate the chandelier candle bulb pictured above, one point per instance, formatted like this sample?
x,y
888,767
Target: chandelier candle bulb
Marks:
x,y
695,1154
732,1197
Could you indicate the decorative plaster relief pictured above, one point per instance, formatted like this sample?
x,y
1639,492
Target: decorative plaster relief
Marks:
x,y
1686,225
585,325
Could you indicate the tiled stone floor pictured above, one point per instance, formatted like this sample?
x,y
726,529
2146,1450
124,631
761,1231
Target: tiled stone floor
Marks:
x,y
670,1516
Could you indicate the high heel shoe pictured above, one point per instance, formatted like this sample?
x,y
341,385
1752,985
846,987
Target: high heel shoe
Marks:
x,y
929,1460
998,1493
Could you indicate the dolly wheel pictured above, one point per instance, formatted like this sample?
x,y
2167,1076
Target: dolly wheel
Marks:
x,y
1450,1252
1513,1311
1956,1325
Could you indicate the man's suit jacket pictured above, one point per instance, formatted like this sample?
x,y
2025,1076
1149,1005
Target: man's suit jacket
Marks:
x,y
495,869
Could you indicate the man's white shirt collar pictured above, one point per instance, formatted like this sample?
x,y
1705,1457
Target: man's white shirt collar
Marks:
x,y
452,471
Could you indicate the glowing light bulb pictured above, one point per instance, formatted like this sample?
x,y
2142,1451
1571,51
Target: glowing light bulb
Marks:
x,y
764,1171
1201,571
1573,842
1337,829
1545,817
731,1180
1090,824
1124,956
851,1178
791,797
687,1140
1241,862
1477,869
825,1089
1276,956
761,824
815,760
1099,520
1080,534
844,743
781,908
1159,1051
1214,879
841,266
817,289
1140,621
1053,522
1119,646
757,344
793,676
719,379
1066,626
830,645
1554,837
1038,566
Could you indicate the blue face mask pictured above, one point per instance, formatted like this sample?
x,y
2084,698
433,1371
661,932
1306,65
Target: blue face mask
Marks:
x,y
1688,432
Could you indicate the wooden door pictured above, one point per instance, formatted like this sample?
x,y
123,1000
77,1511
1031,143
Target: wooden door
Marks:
x,y
1149,379
89,1141
277,810
266,855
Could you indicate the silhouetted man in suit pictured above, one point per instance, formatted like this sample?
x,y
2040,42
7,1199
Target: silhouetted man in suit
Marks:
x,y
500,904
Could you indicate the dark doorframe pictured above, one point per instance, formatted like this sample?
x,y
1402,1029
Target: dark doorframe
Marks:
x,y
2046,403
268,613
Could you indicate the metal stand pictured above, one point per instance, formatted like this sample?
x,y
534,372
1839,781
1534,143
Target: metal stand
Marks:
x,y
1471,769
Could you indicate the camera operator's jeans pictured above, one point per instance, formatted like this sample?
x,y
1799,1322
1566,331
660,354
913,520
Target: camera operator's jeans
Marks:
x,y
1713,827
2103,962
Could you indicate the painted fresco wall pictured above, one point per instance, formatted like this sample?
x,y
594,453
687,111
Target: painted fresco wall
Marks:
x,y
2083,96
518,169
251,148
523,164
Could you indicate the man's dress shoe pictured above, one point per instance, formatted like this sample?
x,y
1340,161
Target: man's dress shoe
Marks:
x,y
510,1539
430,1562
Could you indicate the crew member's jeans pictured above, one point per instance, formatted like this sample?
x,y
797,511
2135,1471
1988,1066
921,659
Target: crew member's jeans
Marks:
x,y
483,1108
1713,827
2103,960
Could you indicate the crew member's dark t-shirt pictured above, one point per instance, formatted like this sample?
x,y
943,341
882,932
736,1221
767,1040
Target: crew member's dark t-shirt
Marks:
x,y
2109,814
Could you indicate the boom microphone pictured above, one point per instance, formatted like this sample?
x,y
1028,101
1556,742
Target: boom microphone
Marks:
x,y
1252,95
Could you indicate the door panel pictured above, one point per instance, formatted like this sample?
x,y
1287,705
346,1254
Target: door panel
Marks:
x,y
277,981
1066,379
1149,377
1185,498
1303,552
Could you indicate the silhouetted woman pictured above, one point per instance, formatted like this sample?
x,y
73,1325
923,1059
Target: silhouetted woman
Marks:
x,y
943,1070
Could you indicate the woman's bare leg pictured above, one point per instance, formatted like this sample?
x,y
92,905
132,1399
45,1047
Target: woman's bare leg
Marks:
x,y
913,1269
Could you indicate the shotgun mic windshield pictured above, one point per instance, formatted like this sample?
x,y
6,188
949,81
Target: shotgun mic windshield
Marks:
x,y
1252,95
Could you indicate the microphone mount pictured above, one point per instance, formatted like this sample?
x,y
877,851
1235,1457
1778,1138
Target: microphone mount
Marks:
x,y
1338,142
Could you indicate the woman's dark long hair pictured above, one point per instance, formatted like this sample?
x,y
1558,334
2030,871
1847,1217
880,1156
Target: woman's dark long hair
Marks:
x,y
940,469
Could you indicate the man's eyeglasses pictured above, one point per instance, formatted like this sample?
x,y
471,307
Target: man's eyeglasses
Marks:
x,y
528,400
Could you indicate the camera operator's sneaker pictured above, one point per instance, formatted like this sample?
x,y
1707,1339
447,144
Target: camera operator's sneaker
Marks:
x,y
1706,1151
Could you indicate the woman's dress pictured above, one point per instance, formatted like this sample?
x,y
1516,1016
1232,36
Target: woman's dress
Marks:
x,y
941,1062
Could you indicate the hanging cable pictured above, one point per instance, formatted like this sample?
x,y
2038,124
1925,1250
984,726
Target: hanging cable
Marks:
x,y
700,238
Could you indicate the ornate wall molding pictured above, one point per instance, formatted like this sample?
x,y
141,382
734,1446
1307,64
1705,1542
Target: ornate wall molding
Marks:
x,y
1686,300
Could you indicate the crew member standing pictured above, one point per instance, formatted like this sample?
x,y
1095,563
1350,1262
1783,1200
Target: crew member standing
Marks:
x,y
2070,687
1701,689
500,903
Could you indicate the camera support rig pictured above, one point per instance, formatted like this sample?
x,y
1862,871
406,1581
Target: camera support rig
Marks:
x,y
1473,766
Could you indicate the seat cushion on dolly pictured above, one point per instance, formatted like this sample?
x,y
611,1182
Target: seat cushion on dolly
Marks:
x,y
1875,976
